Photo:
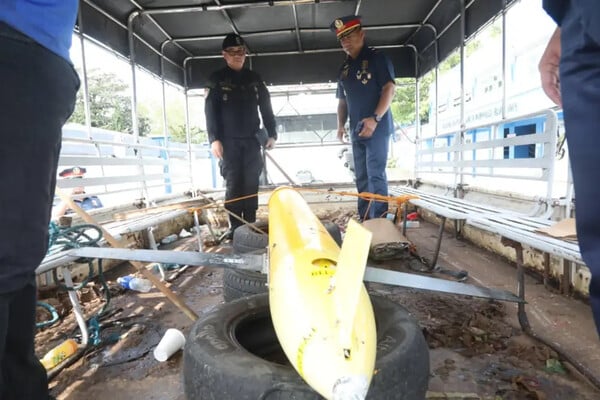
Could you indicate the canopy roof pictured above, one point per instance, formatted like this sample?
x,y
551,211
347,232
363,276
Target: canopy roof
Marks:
x,y
289,40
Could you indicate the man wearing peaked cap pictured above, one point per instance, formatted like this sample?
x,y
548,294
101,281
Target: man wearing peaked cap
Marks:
x,y
345,25
233,100
365,92
84,201
74,172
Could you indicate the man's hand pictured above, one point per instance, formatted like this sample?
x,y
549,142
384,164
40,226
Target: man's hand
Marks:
x,y
548,68
369,125
216,148
342,135
270,144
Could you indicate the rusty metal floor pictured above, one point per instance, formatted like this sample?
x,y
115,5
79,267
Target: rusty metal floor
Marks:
x,y
565,321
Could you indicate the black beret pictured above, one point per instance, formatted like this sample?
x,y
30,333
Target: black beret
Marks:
x,y
233,40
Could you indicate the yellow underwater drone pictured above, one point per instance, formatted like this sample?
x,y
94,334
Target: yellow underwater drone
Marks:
x,y
320,308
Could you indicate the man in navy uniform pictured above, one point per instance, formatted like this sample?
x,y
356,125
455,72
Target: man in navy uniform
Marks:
x,y
235,94
85,202
38,88
570,73
365,91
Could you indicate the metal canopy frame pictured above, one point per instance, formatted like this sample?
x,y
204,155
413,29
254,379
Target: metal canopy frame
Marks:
x,y
289,40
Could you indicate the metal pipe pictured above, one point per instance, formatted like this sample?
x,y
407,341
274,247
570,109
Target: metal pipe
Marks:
x,y
438,243
86,88
76,307
423,23
228,18
436,98
288,53
503,59
297,28
526,326
134,118
417,110
463,20
198,230
262,4
121,25
358,4
164,115
112,161
154,246
448,26
160,28
187,127
164,97
437,63
552,119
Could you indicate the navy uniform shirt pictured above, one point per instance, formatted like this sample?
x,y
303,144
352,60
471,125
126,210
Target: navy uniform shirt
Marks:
x,y
232,105
89,203
86,203
556,9
360,83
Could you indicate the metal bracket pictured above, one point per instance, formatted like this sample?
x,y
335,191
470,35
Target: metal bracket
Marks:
x,y
259,262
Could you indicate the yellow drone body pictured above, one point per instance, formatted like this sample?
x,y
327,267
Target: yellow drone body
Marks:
x,y
320,308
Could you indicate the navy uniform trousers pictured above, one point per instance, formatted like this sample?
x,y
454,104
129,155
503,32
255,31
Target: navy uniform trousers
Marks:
x,y
370,158
580,89
37,95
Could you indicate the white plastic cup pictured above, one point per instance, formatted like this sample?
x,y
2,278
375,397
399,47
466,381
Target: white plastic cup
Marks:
x,y
171,342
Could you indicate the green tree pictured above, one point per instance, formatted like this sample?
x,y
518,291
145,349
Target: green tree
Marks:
x,y
178,134
175,109
110,105
403,106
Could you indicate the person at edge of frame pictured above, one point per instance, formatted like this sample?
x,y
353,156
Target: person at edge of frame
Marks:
x,y
39,86
570,74
87,202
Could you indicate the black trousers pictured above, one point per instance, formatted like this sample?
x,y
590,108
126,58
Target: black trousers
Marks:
x,y
580,89
240,167
23,377
37,96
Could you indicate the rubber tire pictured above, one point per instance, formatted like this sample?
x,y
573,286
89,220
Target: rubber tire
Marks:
x,y
232,353
239,283
246,239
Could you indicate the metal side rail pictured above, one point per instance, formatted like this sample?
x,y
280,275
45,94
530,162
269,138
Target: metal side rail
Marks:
x,y
258,262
